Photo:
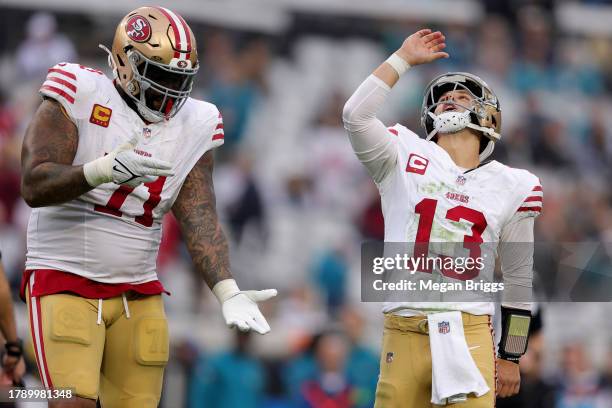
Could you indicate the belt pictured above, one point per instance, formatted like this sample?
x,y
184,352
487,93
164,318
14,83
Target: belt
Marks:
x,y
418,324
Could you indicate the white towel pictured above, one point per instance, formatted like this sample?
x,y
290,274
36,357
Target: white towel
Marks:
x,y
454,374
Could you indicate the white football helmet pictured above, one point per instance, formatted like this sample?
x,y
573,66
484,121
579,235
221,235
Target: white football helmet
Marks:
x,y
484,114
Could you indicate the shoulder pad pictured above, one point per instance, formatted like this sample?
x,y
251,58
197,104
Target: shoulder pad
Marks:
x,y
402,132
530,195
73,86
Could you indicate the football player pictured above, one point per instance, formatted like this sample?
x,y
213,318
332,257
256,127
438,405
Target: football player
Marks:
x,y
103,160
443,189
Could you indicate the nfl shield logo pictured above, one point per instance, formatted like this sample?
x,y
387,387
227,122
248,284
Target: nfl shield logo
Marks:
x,y
146,133
443,327
389,358
460,180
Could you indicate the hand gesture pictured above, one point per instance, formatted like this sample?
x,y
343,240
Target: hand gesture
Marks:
x,y
241,310
423,47
133,168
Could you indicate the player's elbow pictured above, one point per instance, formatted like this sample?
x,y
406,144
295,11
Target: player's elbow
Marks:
x,y
354,119
348,115
29,193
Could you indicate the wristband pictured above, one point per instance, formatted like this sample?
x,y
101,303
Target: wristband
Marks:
x,y
14,348
99,171
515,333
225,289
398,64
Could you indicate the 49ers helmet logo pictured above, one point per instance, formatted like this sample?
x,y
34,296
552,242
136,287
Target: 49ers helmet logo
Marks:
x,y
138,28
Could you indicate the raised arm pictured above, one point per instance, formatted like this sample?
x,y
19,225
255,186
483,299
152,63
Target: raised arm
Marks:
x,y
369,136
195,210
49,147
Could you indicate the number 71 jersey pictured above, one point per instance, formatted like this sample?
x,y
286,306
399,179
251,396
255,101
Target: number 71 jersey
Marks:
x,y
112,233
427,198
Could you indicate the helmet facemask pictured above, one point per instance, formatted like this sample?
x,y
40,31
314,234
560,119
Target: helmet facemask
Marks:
x,y
146,87
482,114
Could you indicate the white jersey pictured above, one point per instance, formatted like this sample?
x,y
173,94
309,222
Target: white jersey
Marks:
x,y
112,233
470,206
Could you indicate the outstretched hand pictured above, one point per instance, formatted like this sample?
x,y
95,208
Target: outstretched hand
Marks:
x,y
241,310
422,47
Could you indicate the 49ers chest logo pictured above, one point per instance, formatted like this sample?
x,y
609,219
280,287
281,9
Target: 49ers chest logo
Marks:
x,y
138,28
100,115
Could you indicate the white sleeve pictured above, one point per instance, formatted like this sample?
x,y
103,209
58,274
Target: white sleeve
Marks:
x,y
516,255
370,138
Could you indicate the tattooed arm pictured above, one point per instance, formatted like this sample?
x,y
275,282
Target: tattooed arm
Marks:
x,y
49,147
195,210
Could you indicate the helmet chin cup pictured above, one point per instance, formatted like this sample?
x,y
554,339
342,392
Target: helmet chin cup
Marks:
x,y
147,114
450,122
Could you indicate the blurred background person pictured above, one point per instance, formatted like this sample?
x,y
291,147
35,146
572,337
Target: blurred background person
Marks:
x,y
580,385
13,366
231,379
43,47
329,387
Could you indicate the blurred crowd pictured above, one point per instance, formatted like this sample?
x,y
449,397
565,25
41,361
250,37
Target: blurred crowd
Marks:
x,y
296,203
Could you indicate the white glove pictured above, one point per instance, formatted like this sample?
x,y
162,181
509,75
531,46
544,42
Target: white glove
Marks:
x,y
240,307
124,166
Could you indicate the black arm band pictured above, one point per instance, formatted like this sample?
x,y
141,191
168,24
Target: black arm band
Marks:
x,y
515,333
14,348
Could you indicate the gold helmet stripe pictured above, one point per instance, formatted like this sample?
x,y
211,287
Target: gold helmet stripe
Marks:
x,y
182,38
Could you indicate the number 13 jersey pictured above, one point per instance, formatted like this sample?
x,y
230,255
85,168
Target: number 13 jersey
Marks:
x,y
112,233
426,197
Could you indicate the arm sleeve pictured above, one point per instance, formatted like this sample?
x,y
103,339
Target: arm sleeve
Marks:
x,y
369,137
516,255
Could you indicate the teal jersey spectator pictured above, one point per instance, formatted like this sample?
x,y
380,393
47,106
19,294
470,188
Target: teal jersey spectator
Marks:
x,y
296,372
362,373
235,101
228,380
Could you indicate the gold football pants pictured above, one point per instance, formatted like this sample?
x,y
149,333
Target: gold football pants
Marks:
x,y
405,363
121,360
